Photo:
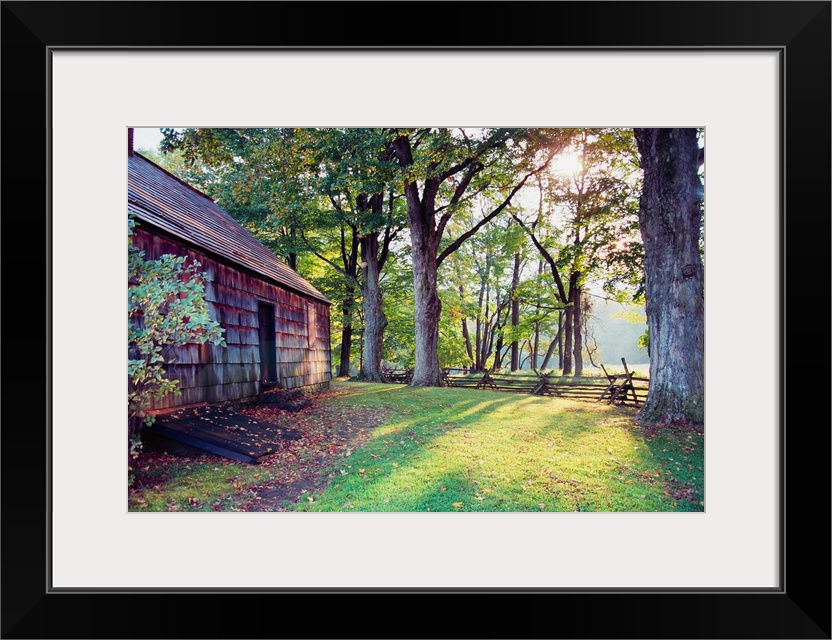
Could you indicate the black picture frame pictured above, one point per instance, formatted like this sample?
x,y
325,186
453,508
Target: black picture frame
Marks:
x,y
800,608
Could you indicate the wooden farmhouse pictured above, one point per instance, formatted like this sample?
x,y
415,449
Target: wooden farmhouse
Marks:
x,y
276,323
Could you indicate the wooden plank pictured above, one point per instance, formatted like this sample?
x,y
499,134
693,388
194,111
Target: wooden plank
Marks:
x,y
629,382
609,390
204,444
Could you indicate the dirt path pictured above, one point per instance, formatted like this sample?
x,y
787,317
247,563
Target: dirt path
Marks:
x,y
323,433
329,432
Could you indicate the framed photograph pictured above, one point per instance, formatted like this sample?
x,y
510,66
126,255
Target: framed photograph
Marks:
x,y
754,75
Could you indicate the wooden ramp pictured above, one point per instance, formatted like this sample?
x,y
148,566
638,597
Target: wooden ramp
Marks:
x,y
223,432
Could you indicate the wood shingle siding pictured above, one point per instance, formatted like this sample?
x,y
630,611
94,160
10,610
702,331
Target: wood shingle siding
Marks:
x,y
185,213
174,218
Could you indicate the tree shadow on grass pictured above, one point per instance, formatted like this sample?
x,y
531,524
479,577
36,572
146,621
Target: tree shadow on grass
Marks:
x,y
490,451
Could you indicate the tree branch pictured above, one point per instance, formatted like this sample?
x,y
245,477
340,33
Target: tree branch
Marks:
x,y
473,169
458,242
546,256
343,272
335,204
471,195
456,168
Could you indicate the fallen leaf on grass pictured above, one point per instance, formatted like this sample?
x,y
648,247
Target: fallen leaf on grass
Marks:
x,y
457,505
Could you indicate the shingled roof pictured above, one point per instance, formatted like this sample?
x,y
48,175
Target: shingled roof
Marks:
x,y
159,198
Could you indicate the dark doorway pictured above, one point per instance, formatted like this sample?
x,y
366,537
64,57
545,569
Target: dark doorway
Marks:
x,y
268,356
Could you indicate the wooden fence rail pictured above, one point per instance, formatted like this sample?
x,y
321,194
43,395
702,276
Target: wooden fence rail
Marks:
x,y
547,384
543,384
398,376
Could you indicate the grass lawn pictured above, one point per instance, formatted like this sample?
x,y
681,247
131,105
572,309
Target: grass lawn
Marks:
x,y
397,448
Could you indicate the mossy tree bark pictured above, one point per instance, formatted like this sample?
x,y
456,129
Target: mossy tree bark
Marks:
x,y
670,218
375,321
374,251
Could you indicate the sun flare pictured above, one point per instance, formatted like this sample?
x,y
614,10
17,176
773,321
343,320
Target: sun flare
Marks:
x,y
568,165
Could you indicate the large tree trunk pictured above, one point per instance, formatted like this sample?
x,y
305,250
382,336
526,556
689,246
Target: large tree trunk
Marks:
x,y
427,305
669,219
515,313
424,242
374,319
346,332
578,333
427,308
